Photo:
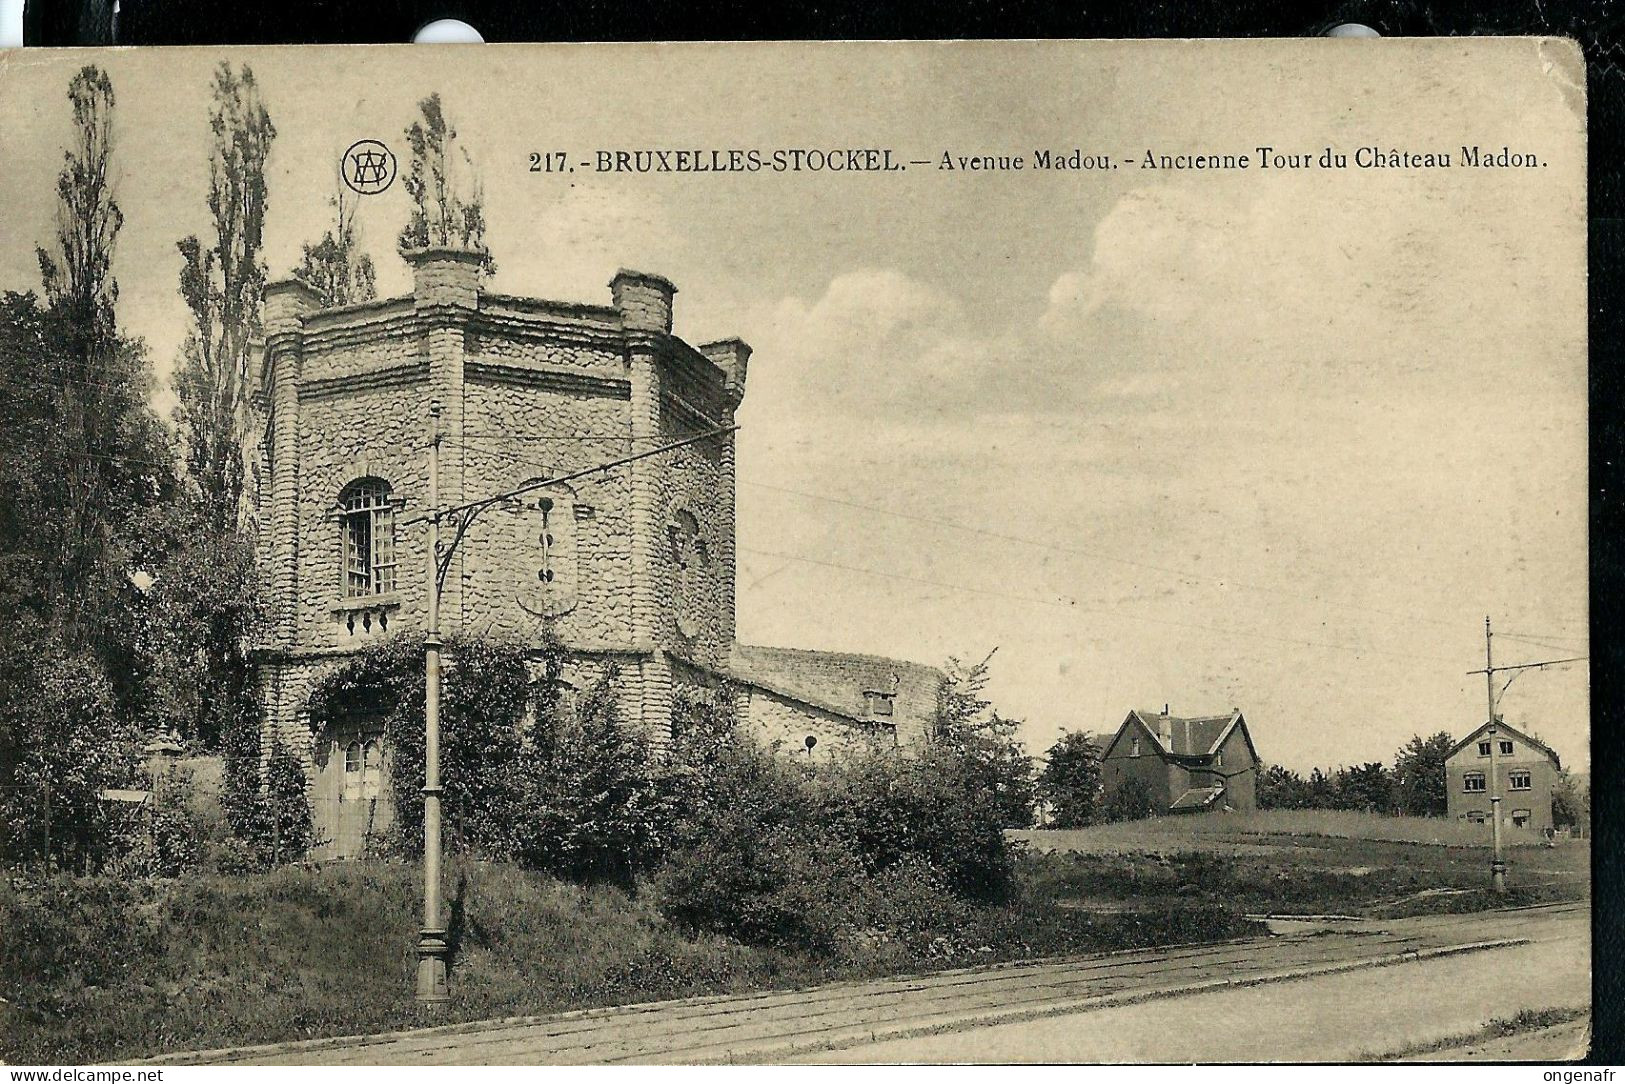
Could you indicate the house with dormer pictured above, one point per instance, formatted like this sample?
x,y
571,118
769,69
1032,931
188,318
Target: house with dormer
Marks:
x,y
1188,764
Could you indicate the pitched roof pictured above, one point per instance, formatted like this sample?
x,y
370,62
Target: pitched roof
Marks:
x,y
1533,743
1194,736
1197,798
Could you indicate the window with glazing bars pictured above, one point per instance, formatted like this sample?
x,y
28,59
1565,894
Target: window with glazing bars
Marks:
x,y
369,539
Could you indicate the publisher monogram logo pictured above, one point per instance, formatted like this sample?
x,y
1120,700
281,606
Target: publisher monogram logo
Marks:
x,y
368,167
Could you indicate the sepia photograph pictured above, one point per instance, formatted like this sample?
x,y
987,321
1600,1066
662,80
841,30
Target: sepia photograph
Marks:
x,y
869,553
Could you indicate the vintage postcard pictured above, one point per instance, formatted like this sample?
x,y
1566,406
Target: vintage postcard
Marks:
x,y
868,553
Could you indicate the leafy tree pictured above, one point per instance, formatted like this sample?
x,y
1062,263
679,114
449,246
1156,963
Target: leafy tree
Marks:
x,y
1282,788
1322,791
1130,800
222,284
196,620
341,273
967,726
1571,801
87,453
1419,778
207,576
1070,781
442,215
1365,787
87,458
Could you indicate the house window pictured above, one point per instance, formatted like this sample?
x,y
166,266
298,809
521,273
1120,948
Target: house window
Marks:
x,y
1520,818
369,538
372,768
1218,759
353,773
1483,748
1476,817
1519,780
1473,782
1134,749
1506,748
878,703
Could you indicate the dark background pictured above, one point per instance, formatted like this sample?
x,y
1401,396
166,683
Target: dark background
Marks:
x,y
1596,25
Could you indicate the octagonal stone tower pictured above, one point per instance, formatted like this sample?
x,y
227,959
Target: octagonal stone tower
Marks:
x,y
633,565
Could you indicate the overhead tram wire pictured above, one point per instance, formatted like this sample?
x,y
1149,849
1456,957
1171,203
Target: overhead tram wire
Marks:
x,y
1095,611
1094,555
1027,542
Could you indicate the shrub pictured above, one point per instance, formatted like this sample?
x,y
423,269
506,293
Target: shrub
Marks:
x,y
61,744
164,840
748,856
935,806
592,808
1130,800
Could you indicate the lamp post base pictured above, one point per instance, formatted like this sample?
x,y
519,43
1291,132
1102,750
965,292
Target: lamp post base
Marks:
x,y
432,953
1498,876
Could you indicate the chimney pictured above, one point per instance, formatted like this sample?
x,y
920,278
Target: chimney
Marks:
x,y
1165,730
644,300
445,276
732,356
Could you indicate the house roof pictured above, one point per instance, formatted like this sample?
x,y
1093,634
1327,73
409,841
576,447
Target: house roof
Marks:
x,y
1533,743
1193,736
1197,798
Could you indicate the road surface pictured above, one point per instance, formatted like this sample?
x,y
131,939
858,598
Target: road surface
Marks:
x,y
1346,992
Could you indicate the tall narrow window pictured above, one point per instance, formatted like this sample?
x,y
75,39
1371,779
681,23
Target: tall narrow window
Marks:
x,y
352,770
369,538
372,768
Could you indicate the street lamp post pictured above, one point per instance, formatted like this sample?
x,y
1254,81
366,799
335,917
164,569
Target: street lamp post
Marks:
x,y
432,949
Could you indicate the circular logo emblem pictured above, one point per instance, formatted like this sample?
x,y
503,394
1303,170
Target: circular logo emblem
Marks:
x,y
368,167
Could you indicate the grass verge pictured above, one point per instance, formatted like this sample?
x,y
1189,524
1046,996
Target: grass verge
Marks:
x,y
1525,1022
93,969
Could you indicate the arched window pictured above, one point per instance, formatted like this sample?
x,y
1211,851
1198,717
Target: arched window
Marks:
x,y
369,538
372,768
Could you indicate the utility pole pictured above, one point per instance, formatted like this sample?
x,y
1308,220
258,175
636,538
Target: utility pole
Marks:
x,y
1498,866
432,949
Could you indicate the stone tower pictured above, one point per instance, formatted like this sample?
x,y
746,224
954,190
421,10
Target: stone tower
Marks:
x,y
633,565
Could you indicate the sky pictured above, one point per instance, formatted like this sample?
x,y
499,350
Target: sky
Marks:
x,y
1272,440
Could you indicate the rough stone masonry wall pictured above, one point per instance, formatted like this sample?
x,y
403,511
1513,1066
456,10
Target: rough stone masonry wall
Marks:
x,y
840,680
350,399
781,723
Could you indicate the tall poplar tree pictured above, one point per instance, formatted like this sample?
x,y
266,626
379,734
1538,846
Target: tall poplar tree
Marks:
x,y
441,168
222,282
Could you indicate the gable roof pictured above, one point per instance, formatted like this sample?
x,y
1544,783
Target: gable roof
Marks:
x,y
1533,743
1196,798
1190,736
